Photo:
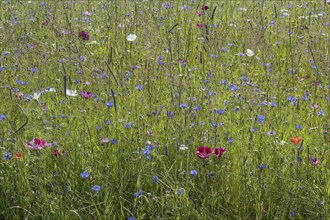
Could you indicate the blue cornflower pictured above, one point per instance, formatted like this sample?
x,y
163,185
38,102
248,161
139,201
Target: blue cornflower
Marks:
x,y
1,68
139,87
245,79
320,113
233,87
114,141
170,114
131,218
7,155
96,188
180,192
3,117
34,69
129,125
223,82
109,104
193,172
83,58
262,167
270,133
154,179
139,193
221,111
84,174
197,108
299,127
183,105
261,118
108,122
166,5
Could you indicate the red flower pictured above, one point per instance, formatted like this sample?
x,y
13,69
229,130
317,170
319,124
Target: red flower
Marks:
x,y
219,151
84,35
57,153
295,140
203,152
19,155
37,144
200,25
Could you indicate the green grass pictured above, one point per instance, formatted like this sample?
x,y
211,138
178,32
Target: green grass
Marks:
x,y
166,90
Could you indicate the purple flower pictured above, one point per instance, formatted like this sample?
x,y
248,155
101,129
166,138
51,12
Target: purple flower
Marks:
x,y
84,35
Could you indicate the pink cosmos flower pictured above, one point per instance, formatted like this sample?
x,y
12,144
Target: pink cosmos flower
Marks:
x,y
314,161
200,13
203,152
87,13
37,144
86,94
200,25
219,151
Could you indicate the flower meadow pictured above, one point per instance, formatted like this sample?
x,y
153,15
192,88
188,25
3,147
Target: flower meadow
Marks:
x,y
141,109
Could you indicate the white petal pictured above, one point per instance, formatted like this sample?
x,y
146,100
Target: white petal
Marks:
x,y
131,37
36,95
71,92
249,53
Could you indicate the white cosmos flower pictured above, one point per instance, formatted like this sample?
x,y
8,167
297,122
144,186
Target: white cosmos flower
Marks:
x,y
71,92
249,53
131,37
36,95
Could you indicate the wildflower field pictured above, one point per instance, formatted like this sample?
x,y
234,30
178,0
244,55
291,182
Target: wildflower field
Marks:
x,y
143,109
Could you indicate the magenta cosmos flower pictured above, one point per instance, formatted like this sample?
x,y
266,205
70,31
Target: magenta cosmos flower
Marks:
x,y
37,144
203,152
84,35
219,151
314,161
86,94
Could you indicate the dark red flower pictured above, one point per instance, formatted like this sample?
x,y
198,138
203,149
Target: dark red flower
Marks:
x,y
205,7
84,35
219,151
57,153
203,152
